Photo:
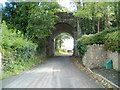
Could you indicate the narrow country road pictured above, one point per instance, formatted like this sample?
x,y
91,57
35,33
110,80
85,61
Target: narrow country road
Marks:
x,y
57,72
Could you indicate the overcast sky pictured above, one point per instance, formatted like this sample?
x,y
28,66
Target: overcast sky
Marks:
x,y
68,44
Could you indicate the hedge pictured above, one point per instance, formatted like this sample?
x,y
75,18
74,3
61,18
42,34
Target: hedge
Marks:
x,y
16,49
110,39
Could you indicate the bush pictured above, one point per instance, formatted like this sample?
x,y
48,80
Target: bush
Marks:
x,y
107,37
16,50
112,41
82,48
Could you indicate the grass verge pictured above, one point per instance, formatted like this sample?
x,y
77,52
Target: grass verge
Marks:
x,y
20,68
61,51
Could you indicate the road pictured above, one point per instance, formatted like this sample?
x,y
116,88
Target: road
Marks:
x,y
56,72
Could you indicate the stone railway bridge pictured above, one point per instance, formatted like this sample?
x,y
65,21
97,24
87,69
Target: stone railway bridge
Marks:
x,y
67,23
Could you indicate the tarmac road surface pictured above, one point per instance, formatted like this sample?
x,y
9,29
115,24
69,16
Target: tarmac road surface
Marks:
x,y
56,72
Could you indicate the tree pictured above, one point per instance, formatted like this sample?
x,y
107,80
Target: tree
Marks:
x,y
42,20
60,39
97,16
16,14
35,20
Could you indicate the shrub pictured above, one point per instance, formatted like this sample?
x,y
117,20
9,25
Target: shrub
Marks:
x,y
112,41
107,37
16,50
82,48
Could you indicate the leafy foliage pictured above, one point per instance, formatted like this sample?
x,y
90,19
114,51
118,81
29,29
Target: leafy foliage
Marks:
x,y
110,39
98,16
42,20
25,23
16,15
82,48
34,20
16,50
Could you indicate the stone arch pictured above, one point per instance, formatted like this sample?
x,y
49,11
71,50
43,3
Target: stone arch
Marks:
x,y
67,24
62,27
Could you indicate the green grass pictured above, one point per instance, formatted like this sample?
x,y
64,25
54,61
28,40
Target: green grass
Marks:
x,y
61,51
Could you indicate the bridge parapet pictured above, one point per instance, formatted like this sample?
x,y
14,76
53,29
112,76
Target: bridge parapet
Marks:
x,y
66,18
64,15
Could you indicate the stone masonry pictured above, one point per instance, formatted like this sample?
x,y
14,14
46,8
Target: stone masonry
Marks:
x,y
67,23
96,56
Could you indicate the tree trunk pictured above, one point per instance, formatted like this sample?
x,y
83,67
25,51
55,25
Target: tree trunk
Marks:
x,y
116,13
78,28
60,43
93,18
119,15
107,18
98,24
56,44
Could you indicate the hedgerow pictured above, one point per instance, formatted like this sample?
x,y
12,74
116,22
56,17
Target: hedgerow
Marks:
x,y
16,50
110,39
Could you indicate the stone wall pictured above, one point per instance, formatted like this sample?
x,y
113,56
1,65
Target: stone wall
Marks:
x,y
115,56
96,56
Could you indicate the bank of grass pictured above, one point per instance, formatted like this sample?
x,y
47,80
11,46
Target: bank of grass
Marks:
x,y
61,51
20,68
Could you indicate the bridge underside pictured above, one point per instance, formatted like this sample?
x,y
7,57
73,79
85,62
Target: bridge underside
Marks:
x,y
67,23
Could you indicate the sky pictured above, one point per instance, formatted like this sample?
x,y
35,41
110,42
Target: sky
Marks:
x,y
68,44
68,4
3,2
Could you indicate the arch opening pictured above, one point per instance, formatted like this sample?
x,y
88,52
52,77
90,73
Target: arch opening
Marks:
x,y
63,44
61,27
